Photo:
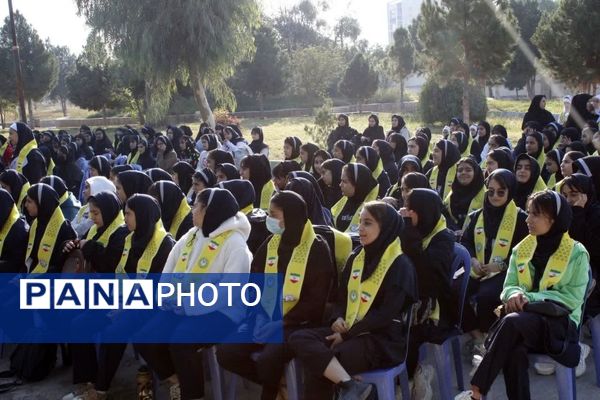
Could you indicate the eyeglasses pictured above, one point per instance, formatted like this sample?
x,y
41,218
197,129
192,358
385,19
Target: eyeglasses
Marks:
x,y
493,192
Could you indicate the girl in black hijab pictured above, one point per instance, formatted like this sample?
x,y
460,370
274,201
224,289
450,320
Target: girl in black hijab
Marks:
x,y
408,163
226,172
499,158
367,155
529,180
534,146
311,179
467,194
216,157
13,235
291,148
358,186
332,175
27,159
85,150
307,155
385,151
319,158
281,172
579,105
182,176
590,166
176,214
158,174
67,169
376,339
343,150
208,142
203,179
537,112
68,203
342,132
537,271
16,184
430,246
99,166
306,190
552,168
258,145
442,175
484,131
373,131
503,228
399,145
419,146
129,183
287,209
145,160
399,126
166,156
48,230
101,143
256,169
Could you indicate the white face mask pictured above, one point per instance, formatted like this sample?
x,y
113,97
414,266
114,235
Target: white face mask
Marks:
x,y
273,226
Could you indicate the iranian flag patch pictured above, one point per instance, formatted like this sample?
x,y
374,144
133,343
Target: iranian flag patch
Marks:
x,y
294,278
479,231
45,247
271,261
355,273
365,297
213,245
521,268
503,242
184,257
553,273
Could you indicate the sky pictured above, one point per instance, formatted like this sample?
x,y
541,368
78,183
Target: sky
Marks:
x,y
58,19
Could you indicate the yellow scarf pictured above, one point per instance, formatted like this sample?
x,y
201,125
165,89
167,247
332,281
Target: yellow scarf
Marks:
x,y
476,204
82,213
506,230
134,159
450,176
23,155
367,290
182,212
339,206
294,272
552,181
265,195
63,198
541,159
559,185
555,268
539,185
13,216
22,195
114,225
440,226
206,257
343,248
46,246
378,170
247,210
145,261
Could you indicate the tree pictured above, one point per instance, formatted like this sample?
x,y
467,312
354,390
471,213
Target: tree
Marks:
x,y
38,64
299,26
457,44
315,69
360,81
568,42
402,55
66,66
346,27
265,75
163,40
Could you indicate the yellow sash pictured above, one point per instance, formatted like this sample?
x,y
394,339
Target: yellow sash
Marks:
x,y
182,212
208,254
476,204
343,248
23,155
51,166
114,225
145,262
247,210
22,195
559,185
506,230
392,189
555,268
541,159
47,243
450,176
367,291
134,159
294,272
339,206
378,170
265,195
539,185
82,213
13,216
552,181
440,226
63,198
427,156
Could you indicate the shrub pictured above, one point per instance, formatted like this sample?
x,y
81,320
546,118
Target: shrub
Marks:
x,y
440,103
324,123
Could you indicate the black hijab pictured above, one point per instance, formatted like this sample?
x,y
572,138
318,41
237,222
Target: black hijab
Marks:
x,y
324,155
110,206
390,226
523,190
362,179
229,170
401,123
556,155
158,174
375,131
540,141
295,143
335,166
134,182
589,166
47,201
583,184
184,172
371,157
503,157
450,154
401,145
57,183
347,149
462,195
6,205
220,206
385,152
577,146
405,161
16,181
236,136
312,180
311,149
259,144
169,197
579,105
212,140
482,140
242,190
493,215
537,114
221,156
314,206
428,206
206,176
423,146
147,214
25,136
260,173
463,141
295,215
166,141
101,164
101,145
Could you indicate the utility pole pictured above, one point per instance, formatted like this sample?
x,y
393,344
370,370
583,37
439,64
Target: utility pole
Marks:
x,y
17,58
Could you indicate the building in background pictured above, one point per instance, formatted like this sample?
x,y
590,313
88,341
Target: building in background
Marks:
x,y
400,13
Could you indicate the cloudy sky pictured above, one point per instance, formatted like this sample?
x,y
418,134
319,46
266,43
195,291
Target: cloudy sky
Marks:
x,y
58,19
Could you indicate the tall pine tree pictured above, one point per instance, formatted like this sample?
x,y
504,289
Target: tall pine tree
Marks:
x,y
402,54
360,81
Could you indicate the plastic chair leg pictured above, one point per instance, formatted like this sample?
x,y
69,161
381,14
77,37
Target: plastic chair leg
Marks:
x,y
443,370
404,386
293,375
215,373
595,328
460,382
565,382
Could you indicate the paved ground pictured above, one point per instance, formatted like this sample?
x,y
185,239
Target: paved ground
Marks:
x,y
123,388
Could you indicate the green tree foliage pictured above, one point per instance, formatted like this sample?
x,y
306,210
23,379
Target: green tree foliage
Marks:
x,y
465,40
299,26
325,122
346,28
265,75
38,65
568,42
315,69
66,66
360,81
413,30
440,103
199,41
402,56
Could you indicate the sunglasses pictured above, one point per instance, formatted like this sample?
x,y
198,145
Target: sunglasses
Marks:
x,y
499,192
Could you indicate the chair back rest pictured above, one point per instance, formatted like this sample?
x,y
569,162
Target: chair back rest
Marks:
x,y
461,258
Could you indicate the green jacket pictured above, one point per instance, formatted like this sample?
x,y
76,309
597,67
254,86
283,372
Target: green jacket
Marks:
x,y
570,290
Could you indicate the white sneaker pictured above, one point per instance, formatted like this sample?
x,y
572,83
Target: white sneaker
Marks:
x,y
78,390
585,351
544,368
466,395
475,361
422,389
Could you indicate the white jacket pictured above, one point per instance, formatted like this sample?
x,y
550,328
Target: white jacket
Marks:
x,y
233,257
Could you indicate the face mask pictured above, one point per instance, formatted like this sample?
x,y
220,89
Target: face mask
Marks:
x,y
273,226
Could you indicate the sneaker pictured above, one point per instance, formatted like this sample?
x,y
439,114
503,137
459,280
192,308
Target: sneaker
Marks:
x,y
354,390
585,351
78,390
466,395
479,349
475,362
92,394
422,389
544,368
175,392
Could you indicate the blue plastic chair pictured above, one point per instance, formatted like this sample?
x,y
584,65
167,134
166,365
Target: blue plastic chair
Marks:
x,y
451,346
385,379
595,328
